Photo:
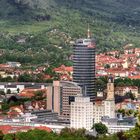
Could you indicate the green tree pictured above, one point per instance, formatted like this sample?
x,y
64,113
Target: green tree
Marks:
x,y
1,135
133,134
100,128
9,137
38,95
122,111
121,136
49,71
18,90
8,91
107,66
130,95
25,78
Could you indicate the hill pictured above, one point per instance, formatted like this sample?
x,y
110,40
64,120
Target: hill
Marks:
x,y
53,24
114,10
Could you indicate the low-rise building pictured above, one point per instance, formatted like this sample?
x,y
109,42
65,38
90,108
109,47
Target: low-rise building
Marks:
x,y
115,125
17,87
14,64
122,90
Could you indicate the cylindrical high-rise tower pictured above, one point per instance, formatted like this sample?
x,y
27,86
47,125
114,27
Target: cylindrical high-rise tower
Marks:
x,y
84,65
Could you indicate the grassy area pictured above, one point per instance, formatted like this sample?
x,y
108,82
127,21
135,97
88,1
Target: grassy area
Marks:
x,y
30,27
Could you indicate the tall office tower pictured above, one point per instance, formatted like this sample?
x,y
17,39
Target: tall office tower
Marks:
x,y
84,65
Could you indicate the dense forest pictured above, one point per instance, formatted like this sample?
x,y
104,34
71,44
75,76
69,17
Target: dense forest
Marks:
x,y
43,31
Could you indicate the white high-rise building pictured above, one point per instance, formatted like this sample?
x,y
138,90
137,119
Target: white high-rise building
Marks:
x,y
81,113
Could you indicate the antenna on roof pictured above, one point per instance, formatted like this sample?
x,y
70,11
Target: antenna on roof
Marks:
x,y
88,32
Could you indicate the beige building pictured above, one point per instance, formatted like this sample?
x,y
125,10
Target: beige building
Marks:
x,y
53,97
106,107
122,90
60,95
81,113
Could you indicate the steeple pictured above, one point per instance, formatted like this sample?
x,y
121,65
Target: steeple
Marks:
x,y
110,88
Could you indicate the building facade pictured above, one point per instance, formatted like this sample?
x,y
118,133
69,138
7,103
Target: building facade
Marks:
x,y
115,125
107,106
123,90
84,65
81,113
98,111
60,95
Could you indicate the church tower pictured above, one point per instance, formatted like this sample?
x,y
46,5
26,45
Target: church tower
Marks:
x,y
110,89
110,100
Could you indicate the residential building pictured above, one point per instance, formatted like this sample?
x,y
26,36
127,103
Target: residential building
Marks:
x,y
65,71
81,113
122,90
17,87
129,104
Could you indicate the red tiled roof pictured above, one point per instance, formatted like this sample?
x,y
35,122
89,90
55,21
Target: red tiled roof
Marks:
x,y
69,69
129,55
134,77
12,129
120,70
99,68
5,128
29,92
14,107
100,75
64,68
4,66
29,95
47,76
108,59
44,128
124,87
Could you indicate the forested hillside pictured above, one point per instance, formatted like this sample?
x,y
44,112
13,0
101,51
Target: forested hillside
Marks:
x,y
30,29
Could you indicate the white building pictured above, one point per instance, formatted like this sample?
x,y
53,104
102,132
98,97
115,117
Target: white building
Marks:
x,y
115,125
16,87
109,106
98,111
118,128
28,117
14,64
81,113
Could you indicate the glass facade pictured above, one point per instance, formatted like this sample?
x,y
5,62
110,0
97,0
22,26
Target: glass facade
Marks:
x,y
84,65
